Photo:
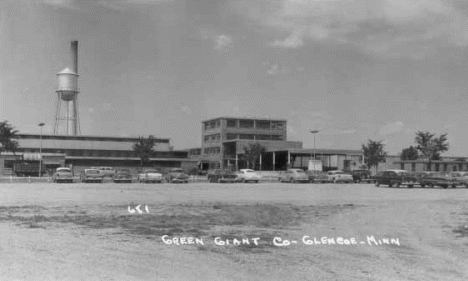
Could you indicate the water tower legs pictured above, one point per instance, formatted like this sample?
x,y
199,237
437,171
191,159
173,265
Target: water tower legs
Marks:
x,y
70,118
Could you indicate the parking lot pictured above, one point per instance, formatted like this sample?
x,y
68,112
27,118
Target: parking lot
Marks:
x,y
96,232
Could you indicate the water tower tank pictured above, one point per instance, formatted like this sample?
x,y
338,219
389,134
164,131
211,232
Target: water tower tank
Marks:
x,y
67,84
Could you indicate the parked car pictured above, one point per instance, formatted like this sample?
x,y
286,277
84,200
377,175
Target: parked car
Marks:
x,y
107,172
339,176
122,175
318,176
294,175
246,175
361,175
91,175
150,175
396,178
461,179
177,175
62,175
376,177
222,176
441,179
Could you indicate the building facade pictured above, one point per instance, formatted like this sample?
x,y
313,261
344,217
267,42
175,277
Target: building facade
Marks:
x,y
79,152
224,139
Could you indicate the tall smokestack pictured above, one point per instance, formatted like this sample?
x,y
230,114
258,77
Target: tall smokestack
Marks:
x,y
74,51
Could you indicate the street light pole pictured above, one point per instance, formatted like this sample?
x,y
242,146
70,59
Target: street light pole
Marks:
x,y
314,132
40,150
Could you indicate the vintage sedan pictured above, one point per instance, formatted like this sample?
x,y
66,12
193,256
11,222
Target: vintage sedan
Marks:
x,y
318,176
294,175
396,178
91,175
150,175
340,176
246,175
63,175
123,175
441,179
177,175
218,175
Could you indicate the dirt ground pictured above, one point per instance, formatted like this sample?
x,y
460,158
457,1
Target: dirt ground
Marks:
x,y
94,232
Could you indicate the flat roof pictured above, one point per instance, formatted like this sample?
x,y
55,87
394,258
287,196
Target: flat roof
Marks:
x,y
86,137
317,151
245,118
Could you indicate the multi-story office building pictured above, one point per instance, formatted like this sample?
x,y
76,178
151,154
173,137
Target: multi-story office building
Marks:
x,y
224,139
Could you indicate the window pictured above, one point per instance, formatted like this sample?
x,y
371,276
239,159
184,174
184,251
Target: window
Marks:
x,y
260,124
277,125
445,167
276,138
231,136
428,167
218,124
413,167
454,168
246,137
246,123
207,138
437,167
231,123
262,137
402,165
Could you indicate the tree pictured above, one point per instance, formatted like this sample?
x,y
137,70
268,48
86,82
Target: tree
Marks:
x,y
7,134
144,148
431,146
252,153
410,153
374,153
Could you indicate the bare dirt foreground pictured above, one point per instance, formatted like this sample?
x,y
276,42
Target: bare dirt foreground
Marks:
x,y
88,232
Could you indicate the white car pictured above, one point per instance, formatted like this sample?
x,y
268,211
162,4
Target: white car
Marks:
x,y
246,175
150,176
339,176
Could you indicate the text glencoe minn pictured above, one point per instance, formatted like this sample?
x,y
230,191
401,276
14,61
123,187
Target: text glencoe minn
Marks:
x,y
280,242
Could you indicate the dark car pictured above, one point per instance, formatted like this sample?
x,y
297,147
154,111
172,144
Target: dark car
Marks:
x,y
361,175
222,176
318,176
438,179
122,175
177,175
396,178
376,177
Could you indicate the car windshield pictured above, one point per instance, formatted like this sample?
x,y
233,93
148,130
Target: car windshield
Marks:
x,y
92,171
64,170
300,171
177,171
249,171
151,171
123,172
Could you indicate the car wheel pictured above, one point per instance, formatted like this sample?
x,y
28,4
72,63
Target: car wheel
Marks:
x,y
454,186
445,186
335,181
410,186
423,185
431,185
242,180
219,180
397,185
466,185
377,183
256,181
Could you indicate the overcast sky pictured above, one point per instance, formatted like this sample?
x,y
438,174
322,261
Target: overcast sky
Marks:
x,y
355,69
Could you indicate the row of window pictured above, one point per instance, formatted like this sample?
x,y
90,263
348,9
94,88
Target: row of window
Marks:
x,y
254,137
247,123
106,153
437,167
212,124
215,137
212,150
260,124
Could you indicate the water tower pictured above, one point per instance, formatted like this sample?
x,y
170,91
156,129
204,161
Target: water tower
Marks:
x,y
67,92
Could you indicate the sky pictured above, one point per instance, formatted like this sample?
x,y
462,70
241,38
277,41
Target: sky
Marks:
x,y
353,69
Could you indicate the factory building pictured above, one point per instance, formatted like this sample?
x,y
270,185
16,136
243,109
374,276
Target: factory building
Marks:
x,y
80,152
224,139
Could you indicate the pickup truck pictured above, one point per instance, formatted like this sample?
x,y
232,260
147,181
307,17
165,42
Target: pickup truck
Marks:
x,y
150,175
396,178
